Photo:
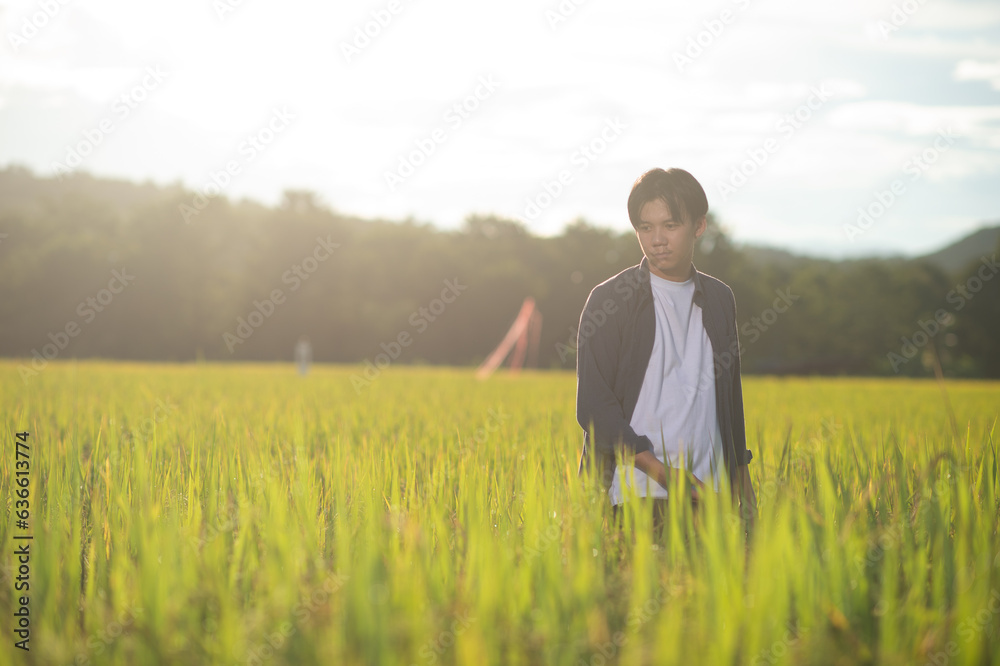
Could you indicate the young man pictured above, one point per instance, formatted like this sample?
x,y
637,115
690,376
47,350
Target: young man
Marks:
x,y
658,364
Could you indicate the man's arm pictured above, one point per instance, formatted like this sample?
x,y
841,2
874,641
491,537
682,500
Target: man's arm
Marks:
x,y
742,486
596,368
739,422
648,463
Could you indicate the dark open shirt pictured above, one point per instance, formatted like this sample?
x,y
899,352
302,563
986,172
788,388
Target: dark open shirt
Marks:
x,y
614,344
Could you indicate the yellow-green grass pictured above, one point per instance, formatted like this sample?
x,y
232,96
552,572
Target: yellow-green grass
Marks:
x,y
243,514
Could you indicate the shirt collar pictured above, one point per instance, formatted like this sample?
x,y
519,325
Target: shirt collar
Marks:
x,y
644,273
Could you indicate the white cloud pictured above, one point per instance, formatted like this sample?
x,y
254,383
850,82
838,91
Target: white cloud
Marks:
x,y
943,15
973,70
975,123
935,46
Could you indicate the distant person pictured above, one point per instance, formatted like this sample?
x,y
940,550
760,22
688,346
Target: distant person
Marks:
x,y
658,361
303,355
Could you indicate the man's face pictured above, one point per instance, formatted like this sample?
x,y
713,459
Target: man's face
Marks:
x,y
668,243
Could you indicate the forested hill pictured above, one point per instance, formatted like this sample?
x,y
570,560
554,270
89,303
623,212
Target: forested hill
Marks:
x,y
101,268
959,254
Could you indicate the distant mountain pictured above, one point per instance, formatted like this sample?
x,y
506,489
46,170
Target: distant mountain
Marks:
x,y
961,253
951,259
763,255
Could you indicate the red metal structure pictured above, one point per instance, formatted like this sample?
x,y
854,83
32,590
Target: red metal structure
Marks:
x,y
523,337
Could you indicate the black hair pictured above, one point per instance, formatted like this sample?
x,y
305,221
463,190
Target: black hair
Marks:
x,y
683,195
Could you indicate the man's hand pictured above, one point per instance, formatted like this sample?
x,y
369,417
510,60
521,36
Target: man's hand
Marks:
x,y
648,463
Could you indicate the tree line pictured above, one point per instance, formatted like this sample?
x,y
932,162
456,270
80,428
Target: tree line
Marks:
x,y
94,267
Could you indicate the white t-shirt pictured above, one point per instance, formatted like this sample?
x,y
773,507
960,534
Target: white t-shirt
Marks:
x,y
676,406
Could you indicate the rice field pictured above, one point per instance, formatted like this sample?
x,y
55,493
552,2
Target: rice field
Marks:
x,y
242,514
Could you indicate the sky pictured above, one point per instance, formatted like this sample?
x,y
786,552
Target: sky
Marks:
x,y
833,129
